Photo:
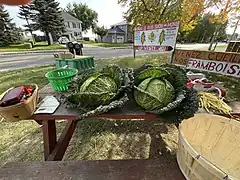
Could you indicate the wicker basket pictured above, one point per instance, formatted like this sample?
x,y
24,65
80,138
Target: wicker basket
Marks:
x,y
209,148
23,110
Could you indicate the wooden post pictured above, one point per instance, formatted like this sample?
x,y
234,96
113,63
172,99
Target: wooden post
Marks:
x,y
134,50
49,137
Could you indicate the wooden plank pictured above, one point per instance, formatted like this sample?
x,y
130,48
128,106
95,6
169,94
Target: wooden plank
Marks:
x,y
49,137
62,144
160,169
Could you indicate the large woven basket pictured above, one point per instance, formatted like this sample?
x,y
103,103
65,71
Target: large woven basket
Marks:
x,y
209,148
20,111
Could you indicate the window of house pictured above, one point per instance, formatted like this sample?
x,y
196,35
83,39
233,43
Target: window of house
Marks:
x,y
68,24
79,25
75,34
74,25
80,34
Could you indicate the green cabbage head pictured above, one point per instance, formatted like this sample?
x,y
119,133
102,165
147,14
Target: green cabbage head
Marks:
x,y
97,88
154,93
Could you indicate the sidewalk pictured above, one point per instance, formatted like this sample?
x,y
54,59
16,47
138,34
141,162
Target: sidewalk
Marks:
x,y
33,52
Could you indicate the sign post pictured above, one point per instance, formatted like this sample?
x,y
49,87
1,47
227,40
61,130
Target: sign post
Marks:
x,y
156,37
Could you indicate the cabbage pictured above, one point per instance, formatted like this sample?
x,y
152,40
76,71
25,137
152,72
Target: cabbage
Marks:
x,y
159,89
153,93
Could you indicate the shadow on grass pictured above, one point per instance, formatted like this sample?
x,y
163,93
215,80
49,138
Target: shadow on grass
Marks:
x,y
118,139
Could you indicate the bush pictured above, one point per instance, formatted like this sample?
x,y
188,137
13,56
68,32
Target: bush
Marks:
x,y
28,46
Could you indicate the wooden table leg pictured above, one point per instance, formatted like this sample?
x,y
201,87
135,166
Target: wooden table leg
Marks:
x,y
49,137
63,142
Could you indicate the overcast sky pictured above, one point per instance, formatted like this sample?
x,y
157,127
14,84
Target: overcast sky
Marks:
x,y
109,11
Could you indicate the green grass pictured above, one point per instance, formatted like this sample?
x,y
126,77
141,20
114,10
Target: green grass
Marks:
x,y
38,46
221,48
105,44
94,139
23,76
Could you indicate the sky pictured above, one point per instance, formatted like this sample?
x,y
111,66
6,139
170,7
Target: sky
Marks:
x,y
109,11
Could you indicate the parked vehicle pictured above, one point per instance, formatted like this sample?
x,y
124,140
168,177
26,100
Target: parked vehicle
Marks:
x,y
63,40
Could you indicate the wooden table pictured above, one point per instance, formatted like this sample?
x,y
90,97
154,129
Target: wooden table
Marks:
x,y
159,169
54,149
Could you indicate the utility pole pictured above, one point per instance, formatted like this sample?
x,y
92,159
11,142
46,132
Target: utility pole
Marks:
x,y
235,28
215,34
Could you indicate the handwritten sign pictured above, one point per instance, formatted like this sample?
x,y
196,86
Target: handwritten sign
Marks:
x,y
225,68
156,37
181,57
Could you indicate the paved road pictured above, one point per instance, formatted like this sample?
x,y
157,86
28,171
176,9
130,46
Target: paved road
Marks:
x,y
15,61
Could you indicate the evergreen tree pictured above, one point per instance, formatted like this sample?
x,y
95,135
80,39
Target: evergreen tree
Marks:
x,y
46,16
26,14
8,30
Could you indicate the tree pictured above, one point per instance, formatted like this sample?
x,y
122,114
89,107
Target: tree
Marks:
x,y
46,16
26,14
82,12
204,30
8,31
101,31
157,11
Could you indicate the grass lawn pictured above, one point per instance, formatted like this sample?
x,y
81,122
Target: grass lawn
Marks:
x,y
106,44
221,48
94,139
38,46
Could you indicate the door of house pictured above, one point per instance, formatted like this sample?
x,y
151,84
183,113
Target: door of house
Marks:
x,y
113,38
120,39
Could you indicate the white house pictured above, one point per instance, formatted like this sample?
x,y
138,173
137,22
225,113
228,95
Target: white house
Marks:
x,y
73,27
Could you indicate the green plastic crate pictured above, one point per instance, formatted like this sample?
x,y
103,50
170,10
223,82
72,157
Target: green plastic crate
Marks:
x,y
80,63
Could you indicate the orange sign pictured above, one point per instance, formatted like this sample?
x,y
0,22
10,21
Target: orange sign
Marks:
x,y
181,57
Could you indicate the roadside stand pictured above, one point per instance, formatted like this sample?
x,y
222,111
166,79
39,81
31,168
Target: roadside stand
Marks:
x,y
209,134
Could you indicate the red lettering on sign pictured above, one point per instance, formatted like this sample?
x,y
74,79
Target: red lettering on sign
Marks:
x,y
188,54
198,55
212,66
232,69
219,67
219,56
211,56
227,57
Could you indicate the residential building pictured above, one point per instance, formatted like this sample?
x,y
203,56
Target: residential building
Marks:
x,y
119,33
73,27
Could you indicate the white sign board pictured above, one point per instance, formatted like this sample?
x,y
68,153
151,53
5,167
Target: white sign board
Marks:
x,y
225,68
156,37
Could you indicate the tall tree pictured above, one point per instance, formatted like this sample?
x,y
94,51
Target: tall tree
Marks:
x,y
8,31
46,16
81,11
26,14
157,11
101,31
204,30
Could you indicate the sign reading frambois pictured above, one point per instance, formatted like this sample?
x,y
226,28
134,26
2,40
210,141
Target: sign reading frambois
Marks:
x,y
225,68
156,37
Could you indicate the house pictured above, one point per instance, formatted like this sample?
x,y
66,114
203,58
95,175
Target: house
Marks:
x,y
73,27
119,33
